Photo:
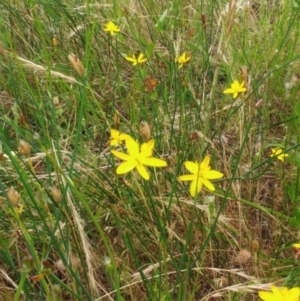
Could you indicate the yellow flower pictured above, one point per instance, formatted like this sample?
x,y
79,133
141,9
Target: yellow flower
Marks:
x,y
282,294
117,137
278,152
181,60
296,246
112,28
200,175
235,89
136,59
137,157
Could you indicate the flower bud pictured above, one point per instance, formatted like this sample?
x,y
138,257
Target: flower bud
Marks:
x,y
259,103
24,148
145,131
243,257
56,101
54,42
56,292
27,263
76,64
13,196
56,194
244,73
117,120
254,246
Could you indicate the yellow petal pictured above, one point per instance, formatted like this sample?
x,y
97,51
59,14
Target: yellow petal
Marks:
x,y
120,155
156,162
187,178
213,174
114,133
266,296
125,167
293,294
114,142
141,58
131,59
205,162
143,171
123,136
132,147
208,184
147,148
195,187
229,91
192,167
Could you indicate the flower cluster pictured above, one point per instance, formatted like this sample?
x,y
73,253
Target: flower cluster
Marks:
x,y
140,58
138,156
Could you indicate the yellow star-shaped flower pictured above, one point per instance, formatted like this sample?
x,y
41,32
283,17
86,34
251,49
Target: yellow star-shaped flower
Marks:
x,y
136,59
278,153
201,174
137,157
183,59
235,89
280,294
112,28
116,137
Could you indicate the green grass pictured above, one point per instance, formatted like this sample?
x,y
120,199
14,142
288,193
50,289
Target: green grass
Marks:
x,y
79,231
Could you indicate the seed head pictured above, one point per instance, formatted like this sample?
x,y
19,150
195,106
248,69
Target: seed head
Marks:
x,y
24,148
76,64
56,194
145,131
13,196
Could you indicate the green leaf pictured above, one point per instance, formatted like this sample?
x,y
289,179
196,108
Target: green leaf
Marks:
x,y
295,220
298,109
297,159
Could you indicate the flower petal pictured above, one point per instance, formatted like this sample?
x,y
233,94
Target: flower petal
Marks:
x,y
205,162
143,171
195,187
192,167
293,294
130,59
229,91
213,174
156,162
132,147
120,155
208,184
114,134
141,58
266,296
126,167
147,148
133,60
187,178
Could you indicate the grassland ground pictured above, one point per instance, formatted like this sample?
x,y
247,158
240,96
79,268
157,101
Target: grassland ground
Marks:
x,y
149,150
